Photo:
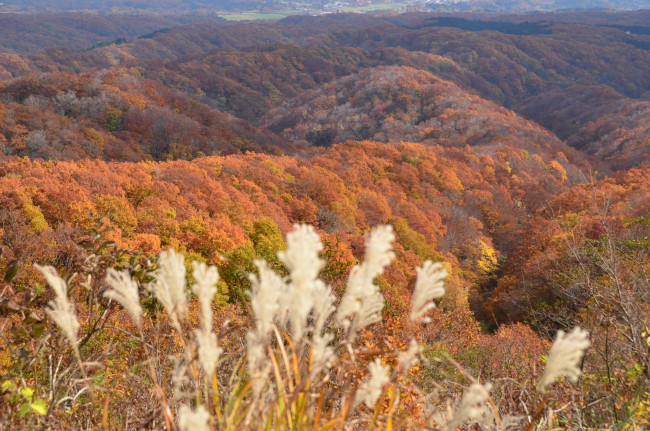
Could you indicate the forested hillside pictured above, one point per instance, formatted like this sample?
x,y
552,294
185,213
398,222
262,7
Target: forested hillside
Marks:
x,y
115,116
34,33
164,6
503,159
537,5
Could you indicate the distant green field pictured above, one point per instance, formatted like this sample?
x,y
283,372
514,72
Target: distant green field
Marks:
x,y
374,7
247,16
255,15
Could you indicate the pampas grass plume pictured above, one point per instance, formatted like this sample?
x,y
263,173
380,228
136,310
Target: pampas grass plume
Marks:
x,y
125,292
193,420
60,309
430,285
471,406
169,286
371,388
565,356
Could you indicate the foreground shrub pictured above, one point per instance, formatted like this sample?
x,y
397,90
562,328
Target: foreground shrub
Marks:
x,y
302,362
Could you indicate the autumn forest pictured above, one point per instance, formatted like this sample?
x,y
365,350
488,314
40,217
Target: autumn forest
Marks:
x,y
508,152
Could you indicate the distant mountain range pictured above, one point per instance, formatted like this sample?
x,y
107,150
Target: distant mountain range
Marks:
x,y
192,5
534,5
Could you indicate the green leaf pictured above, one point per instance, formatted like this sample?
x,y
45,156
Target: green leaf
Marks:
x,y
30,319
39,406
28,393
11,271
8,385
38,329
24,409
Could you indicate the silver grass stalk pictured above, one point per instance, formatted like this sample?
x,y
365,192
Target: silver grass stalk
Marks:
x,y
379,250
181,385
60,309
371,388
323,306
257,362
362,298
267,289
471,406
430,285
565,356
369,313
205,288
125,292
209,351
302,254
169,285
408,359
322,352
304,264
193,420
